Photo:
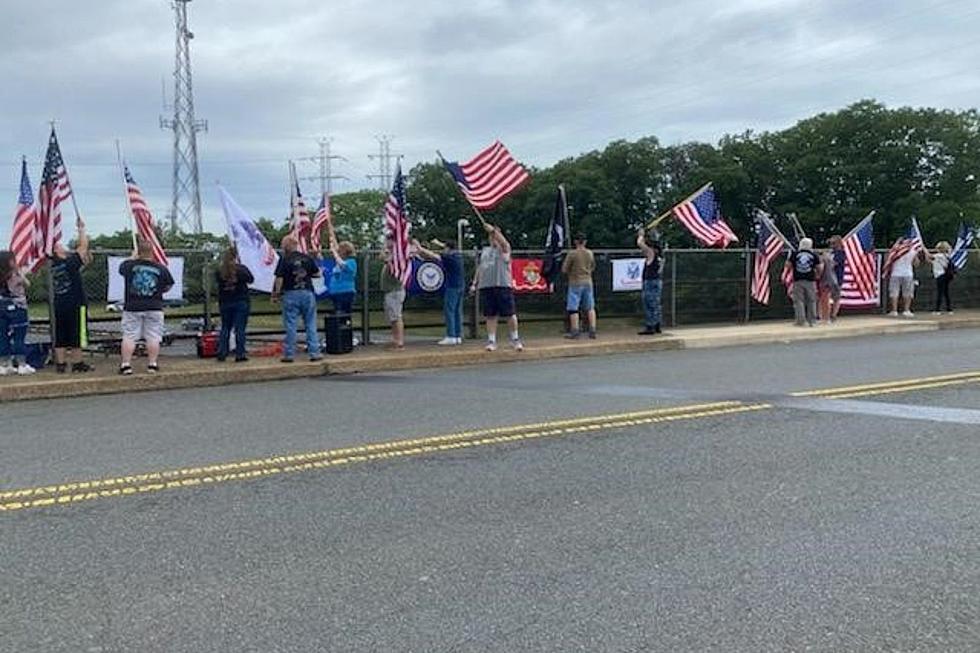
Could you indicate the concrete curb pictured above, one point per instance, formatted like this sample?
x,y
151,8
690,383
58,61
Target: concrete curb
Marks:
x,y
190,376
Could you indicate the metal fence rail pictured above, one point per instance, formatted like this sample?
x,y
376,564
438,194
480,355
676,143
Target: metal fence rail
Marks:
x,y
699,286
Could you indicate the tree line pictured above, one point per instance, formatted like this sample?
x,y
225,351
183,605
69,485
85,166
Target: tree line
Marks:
x,y
829,170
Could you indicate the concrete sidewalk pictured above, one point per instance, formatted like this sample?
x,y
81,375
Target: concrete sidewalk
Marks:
x,y
186,372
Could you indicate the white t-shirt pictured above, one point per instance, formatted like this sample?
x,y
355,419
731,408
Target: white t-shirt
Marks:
x,y
903,266
939,263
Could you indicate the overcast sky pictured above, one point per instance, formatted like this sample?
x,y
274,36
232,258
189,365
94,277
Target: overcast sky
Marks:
x,y
551,78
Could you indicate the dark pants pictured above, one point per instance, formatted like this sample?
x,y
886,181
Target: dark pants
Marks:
x,y
233,315
13,329
942,292
343,302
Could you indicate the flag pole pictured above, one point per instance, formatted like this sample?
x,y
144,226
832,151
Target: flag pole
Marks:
x,y
663,216
860,224
564,201
129,206
74,202
476,211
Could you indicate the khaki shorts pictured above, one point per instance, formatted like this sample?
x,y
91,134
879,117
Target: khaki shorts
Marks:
x,y
143,325
393,304
903,285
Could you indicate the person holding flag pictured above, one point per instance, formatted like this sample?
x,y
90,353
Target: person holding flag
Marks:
x,y
900,265
943,271
451,261
653,267
496,285
70,303
294,286
343,277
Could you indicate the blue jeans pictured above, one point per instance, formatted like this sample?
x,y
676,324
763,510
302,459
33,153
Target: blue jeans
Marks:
x,y
651,301
13,329
294,304
233,314
452,310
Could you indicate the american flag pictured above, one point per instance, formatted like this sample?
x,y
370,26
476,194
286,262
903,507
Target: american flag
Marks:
x,y
860,263
851,295
961,249
54,190
320,220
910,242
396,231
701,214
769,244
300,215
143,218
786,276
23,240
489,177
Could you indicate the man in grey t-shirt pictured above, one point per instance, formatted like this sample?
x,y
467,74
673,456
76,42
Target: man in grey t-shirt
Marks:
x,y
493,280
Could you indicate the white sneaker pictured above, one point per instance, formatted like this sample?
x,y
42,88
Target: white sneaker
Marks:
x,y
491,346
447,341
936,313
893,314
517,345
457,341
24,369
908,314
4,370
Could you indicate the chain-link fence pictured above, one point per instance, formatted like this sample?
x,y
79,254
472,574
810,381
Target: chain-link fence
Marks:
x,y
699,286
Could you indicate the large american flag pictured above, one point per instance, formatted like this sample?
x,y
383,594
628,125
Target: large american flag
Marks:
x,y
489,177
320,220
910,242
770,243
961,248
396,231
54,190
300,215
860,264
23,240
143,218
701,214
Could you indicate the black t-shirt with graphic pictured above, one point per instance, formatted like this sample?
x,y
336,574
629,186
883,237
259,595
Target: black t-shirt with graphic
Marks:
x,y
297,270
66,281
804,264
146,282
236,288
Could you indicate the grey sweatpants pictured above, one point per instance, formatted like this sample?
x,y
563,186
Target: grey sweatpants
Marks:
x,y
805,302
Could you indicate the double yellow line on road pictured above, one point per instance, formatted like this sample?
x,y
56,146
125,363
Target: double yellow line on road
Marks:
x,y
893,387
104,488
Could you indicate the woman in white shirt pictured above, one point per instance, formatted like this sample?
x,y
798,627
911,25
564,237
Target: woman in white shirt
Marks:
x,y
942,272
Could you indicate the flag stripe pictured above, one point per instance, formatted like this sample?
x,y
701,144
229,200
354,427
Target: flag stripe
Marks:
x,y
490,176
143,218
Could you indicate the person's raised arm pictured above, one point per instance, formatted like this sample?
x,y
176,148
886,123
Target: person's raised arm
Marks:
x,y
497,236
425,252
641,242
83,242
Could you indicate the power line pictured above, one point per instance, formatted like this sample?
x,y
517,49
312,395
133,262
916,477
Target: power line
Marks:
x,y
384,157
325,161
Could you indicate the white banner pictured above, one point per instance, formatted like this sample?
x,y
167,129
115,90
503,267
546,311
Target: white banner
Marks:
x,y
627,274
117,287
254,251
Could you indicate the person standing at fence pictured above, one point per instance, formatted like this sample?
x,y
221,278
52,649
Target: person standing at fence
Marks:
x,y
943,271
806,268
653,268
294,287
394,301
901,282
234,303
70,304
13,317
578,266
146,281
452,287
829,288
343,278
496,285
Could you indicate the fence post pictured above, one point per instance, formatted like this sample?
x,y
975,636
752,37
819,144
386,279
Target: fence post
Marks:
x,y
205,282
748,283
474,326
673,289
365,299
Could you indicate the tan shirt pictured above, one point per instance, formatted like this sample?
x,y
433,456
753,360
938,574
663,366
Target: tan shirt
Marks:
x,y
579,264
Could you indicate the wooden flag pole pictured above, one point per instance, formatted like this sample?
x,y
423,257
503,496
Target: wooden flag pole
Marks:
x,y
476,211
663,216
129,206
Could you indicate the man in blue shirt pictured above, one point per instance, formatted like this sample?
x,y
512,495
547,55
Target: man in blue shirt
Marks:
x,y
452,297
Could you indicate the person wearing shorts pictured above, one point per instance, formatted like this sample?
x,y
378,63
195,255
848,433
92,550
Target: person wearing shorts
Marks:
x,y
70,304
494,281
901,282
146,281
828,287
394,301
578,266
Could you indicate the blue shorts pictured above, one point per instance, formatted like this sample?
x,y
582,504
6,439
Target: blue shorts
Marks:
x,y
580,297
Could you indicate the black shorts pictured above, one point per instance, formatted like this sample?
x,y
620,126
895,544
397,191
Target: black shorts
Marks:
x,y
497,302
71,326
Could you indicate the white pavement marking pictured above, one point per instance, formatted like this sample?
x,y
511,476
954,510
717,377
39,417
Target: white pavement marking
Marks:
x,y
882,409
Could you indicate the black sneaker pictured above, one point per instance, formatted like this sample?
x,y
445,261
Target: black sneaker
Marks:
x,y
241,359
646,332
153,368
126,370
285,359
656,328
81,367
61,368
573,335
592,335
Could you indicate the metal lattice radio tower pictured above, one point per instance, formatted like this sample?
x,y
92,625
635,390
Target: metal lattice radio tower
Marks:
x,y
186,201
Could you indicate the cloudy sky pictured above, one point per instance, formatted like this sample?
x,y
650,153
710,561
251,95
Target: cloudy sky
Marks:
x,y
551,78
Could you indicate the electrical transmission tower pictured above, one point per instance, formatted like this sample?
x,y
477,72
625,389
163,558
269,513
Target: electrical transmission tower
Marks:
x,y
384,157
325,161
186,200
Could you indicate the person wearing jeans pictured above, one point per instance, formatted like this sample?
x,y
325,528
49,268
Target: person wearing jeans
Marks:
x,y
233,303
294,287
13,316
653,266
452,290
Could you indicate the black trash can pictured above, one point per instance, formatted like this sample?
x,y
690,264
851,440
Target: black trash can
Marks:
x,y
339,333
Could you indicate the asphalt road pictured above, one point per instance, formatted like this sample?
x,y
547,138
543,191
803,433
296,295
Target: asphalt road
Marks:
x,y
847,521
